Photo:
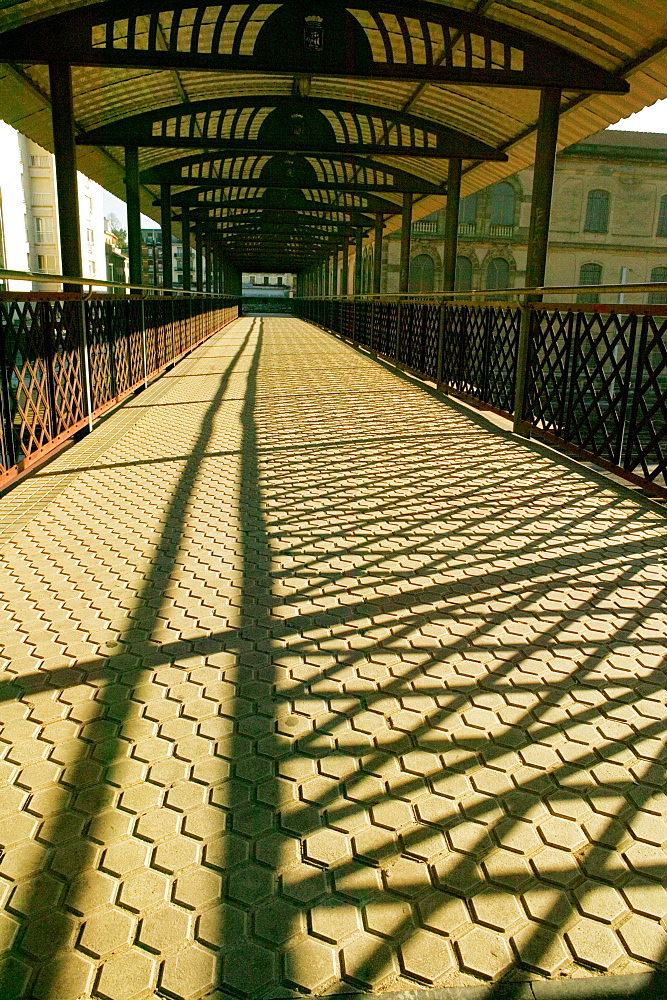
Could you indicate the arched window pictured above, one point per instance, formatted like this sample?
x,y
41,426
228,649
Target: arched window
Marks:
x,y
498,273
662,217
468,210
589,274
502,204
422,274
597,212
658,298
463,281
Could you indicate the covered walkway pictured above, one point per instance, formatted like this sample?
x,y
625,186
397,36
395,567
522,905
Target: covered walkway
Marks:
x,y
314,682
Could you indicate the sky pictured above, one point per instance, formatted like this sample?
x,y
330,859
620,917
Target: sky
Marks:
x,y
114,206
651,119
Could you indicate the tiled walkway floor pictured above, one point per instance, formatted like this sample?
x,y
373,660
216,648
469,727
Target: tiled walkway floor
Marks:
x,y
313,684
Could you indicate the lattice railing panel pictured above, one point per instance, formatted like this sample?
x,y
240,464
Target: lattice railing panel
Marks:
x,y
454,337
475,362
646,449
549,365
599,382
42,373
100,320
503,341
362,324
27,359
65,322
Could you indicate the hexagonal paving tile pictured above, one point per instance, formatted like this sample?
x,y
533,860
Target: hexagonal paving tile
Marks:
x,y
594,944
327,847
484,953
187,821
426,956
311,965
104,933
197,889
335,920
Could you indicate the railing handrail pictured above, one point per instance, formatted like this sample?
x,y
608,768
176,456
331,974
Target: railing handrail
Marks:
x,y
92,282
517,294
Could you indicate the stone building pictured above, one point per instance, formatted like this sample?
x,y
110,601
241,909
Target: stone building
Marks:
x,y
608,223
29,237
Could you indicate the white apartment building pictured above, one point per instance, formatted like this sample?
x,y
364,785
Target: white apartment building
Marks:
x,y
29,236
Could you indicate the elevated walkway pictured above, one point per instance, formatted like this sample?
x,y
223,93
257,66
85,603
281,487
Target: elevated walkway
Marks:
x,y
316,683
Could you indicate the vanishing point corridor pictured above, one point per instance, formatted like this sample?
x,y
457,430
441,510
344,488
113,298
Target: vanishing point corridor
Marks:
x,y
314,682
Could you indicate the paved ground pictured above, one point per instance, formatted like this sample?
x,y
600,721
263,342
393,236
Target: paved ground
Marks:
x,y
313,684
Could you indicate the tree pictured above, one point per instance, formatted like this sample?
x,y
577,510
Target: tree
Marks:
x,y
116,229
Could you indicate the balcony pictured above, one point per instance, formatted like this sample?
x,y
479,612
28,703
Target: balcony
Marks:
x,y
503,232
467,228
424,227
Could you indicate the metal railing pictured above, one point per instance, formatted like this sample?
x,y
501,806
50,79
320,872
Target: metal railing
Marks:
x,y
589,378
67,357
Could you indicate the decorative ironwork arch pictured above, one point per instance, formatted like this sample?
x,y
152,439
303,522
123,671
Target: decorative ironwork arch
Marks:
x,y
315,198
334,171
288,124
372,38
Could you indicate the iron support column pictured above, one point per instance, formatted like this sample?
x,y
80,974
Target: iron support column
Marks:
x,y
133,215
543,179
199,262
451,225
64,145
538,238
185,241
334,272
345,272
165,223
406,238
358,262
377,253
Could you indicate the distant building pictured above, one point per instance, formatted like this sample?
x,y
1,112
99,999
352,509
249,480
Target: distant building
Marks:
x,y
151,259
118,263
268,285
29,235
608,223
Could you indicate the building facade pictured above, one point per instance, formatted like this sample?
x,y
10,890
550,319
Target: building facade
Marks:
x,y
117,261
268,285
29,235
151,259
608,223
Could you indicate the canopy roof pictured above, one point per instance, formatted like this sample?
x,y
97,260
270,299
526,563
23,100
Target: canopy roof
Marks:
x,y
472,67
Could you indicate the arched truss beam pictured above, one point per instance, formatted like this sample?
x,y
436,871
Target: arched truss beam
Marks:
x,y
334,172
256,209
288,124
372,38
259,227
209,199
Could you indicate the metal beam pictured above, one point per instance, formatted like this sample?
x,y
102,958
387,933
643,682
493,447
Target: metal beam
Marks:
x,y
543,177
406,239
185,241
165,220
345,276
451,225
64,144
358,262
199,262
333,171
488,54
288,125
377,254
133,213
277,195
257,209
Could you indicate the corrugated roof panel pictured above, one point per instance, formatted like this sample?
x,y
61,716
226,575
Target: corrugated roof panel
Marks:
x,y
626,36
